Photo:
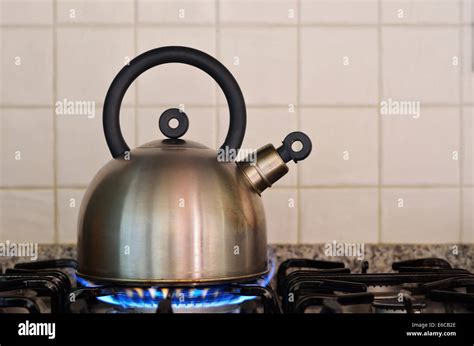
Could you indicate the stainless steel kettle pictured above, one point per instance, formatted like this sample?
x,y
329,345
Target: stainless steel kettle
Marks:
x,y
173,211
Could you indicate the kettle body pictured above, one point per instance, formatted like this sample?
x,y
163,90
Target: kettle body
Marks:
x,y
174,215
172,211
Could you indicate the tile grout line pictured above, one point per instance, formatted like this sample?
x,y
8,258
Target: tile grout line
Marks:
x,y
379,124
55,127
461,119
298,118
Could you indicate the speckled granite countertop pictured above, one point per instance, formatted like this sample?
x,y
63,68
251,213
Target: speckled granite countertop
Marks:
x,y
380,256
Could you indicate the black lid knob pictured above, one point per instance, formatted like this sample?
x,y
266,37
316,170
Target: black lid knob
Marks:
x,y
167,129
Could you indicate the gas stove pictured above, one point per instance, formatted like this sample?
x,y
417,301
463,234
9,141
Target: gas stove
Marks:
x,y
426,285
52,286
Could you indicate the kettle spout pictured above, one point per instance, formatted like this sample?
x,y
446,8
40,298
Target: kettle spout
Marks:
x,y
270,163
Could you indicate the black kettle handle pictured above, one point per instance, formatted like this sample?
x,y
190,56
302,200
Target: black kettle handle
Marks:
x,y
173,54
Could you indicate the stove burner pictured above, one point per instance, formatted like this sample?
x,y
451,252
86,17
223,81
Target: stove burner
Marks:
x,y
186,299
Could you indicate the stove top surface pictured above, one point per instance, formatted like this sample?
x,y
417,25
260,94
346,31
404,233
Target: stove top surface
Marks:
x,y
426,285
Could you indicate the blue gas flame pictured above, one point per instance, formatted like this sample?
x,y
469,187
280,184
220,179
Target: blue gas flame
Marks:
x,y
188,298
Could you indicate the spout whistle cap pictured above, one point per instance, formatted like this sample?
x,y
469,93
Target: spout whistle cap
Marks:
x,y
286,151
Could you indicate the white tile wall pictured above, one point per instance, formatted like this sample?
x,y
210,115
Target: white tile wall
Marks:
x,y
284,203
420,215
419,63
319,66
27,64
339,65
345,146
419,151
177,11
339,11
78,160
467,64
339,214
88,59
26,12
263,60
27,216
95,11
468,145
420,11
258,12
468,212
69,203
26,147
467,11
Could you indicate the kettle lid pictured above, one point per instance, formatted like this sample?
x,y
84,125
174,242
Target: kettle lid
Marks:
x,y
171,143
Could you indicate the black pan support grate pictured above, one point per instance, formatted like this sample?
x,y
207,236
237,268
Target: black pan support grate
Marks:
x,y
300,284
